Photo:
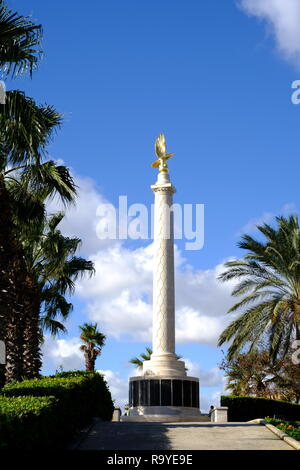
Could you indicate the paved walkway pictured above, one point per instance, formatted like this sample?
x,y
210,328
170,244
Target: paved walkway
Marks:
x,y
182,436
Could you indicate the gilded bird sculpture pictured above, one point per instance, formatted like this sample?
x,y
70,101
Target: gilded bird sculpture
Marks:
x,y
162,155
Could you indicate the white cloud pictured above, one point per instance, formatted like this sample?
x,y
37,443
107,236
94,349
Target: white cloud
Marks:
x,y
63,352
117,386
119,297
193,327
66,353
251,225
283,19
267,217
81,219
119,294
208,399
208,378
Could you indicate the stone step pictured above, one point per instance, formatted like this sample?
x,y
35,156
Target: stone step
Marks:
x,y
166,419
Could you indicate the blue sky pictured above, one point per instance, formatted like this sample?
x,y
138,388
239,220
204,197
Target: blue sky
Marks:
x,y
215,77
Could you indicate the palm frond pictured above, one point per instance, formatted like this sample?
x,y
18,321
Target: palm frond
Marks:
x,y
269,277
53,326
48,180
20,41
25,129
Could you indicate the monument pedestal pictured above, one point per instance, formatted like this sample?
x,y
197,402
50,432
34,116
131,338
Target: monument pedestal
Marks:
x,y
163,398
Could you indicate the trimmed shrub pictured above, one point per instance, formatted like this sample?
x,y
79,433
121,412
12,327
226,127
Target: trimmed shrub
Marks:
x,y
28,422
80,396
247,408
99,393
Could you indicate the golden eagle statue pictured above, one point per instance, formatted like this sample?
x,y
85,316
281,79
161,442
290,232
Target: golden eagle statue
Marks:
x,y
162,155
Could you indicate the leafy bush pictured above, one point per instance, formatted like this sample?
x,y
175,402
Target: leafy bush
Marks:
x,y
80,396
292,428
247,408
28,422
99,393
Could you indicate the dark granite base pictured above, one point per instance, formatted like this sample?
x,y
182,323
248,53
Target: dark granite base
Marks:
x,y
179,392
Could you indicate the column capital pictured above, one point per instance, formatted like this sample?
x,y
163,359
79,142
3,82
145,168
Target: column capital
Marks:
x,y
163,188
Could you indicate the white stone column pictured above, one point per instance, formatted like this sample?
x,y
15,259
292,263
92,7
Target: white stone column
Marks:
x,y
163,272
163,360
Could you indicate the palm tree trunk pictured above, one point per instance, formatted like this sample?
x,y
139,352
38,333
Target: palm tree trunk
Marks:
x,y
14,344
89,360
92,365
32,362
12,271
5,280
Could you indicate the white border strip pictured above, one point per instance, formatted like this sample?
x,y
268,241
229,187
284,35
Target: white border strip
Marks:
x,y
282,435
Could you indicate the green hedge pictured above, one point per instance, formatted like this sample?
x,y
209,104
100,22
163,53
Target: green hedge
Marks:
x,y
80,395
28,422
247,408
101,402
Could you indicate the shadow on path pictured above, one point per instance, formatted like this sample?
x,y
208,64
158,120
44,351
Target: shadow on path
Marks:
x,y
179,436
126,436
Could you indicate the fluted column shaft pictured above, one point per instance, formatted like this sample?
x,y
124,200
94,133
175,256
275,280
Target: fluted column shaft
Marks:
x,y
163,359
163,272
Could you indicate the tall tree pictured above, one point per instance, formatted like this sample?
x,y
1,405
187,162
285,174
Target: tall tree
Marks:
x,y
23,171
53,268
57,268
94,341
25,131
19,51
269,281
255,374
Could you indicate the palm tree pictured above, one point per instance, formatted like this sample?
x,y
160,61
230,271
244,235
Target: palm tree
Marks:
x,y
22,170
136,361
23,134
145,357
269,281
20,40
53,268
94,342
25,131
58,268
